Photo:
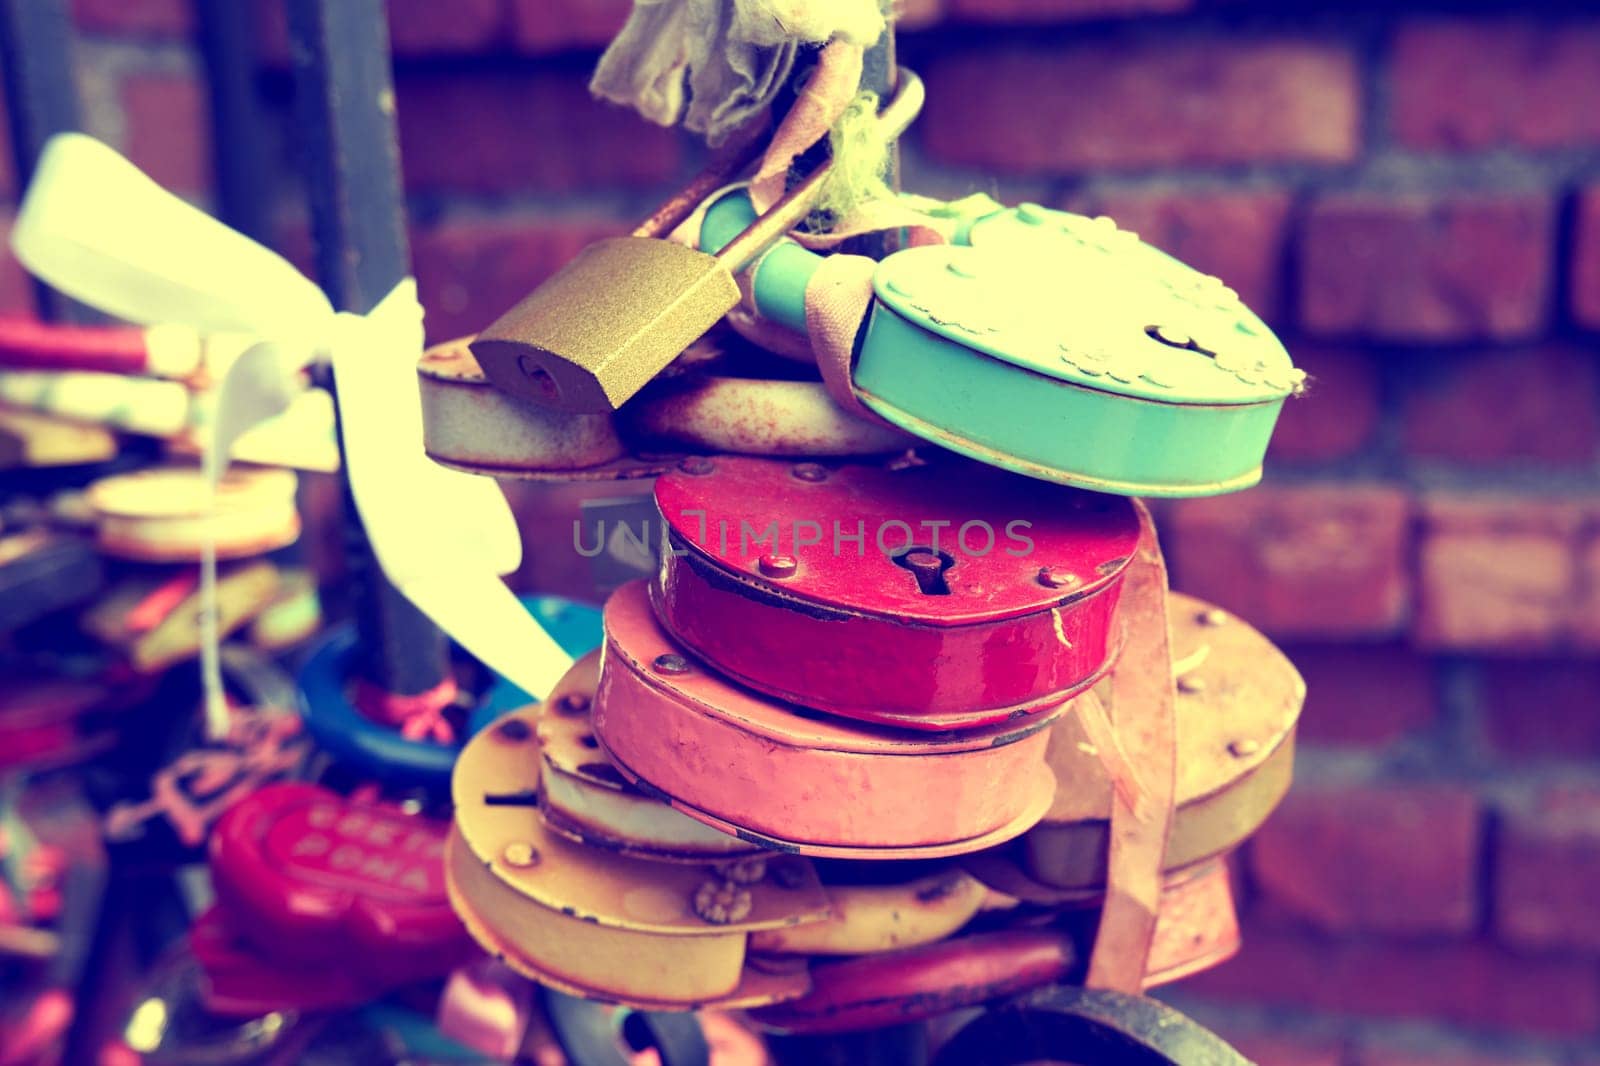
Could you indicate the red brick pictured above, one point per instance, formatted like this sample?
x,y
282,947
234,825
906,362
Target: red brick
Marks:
x,y
421,27
1237,236
1542,708
554,25
1586,259
416,27
1501,572
135,18
469,273
1546,869
1306,561
913,15
1433,269
1382,1055
1462,84
1154,103
1364,695
1469,983
1337,416
1387,858
1530,405
500,131
167,130
16,288
1286,1050
1059,10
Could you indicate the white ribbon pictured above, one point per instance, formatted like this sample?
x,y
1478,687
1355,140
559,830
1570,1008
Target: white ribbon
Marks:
x,y
95,227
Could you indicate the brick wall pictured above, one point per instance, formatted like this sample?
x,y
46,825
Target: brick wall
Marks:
x,y
1411,195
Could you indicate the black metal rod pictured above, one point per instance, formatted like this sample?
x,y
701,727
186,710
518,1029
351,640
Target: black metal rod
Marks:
x,y
41,101
344,98
240,149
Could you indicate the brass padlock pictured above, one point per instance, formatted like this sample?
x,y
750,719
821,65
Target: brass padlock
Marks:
x,y
611,319
615,316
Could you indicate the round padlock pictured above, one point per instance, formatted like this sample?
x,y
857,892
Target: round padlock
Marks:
x,y
926,595
470,425
1238,700
750,765
755,416
1056,346
307,876
165,515
879,907
581,795
594,923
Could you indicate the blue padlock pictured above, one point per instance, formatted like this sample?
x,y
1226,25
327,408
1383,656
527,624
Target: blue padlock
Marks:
x,y
1057,346
379,752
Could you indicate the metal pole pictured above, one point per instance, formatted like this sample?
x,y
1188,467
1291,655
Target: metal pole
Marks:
x,y
345,103
239,147
41,101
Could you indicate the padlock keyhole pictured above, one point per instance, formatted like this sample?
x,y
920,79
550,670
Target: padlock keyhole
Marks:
x,y
927,566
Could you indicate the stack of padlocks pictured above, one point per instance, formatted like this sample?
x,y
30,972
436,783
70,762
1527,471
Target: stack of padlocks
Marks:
x,y
869,745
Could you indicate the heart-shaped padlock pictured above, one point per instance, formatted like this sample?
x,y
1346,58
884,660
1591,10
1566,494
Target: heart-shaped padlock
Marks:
x,y
775,775
926,595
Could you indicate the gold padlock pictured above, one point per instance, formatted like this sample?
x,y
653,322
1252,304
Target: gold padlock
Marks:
x,y
609,321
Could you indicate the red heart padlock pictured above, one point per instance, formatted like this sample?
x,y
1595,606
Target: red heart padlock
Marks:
x,y
928,595
305,875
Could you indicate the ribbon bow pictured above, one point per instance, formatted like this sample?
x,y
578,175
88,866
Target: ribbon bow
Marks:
x,y
97,228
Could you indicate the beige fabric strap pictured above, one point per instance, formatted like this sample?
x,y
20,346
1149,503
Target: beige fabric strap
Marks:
x,y
1139,696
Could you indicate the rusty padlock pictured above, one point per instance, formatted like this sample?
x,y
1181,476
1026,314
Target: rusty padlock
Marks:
x,y
1238,701
611,319
581,795
595,923
926,595
754,766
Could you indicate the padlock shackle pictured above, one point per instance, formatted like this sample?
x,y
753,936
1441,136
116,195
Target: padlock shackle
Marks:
x,y
779,279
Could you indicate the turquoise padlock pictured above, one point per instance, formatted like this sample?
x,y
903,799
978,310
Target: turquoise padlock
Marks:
x,y
1057,346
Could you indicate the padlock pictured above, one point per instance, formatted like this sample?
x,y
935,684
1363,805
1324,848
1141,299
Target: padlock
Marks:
x,y
152,616
756,416
31,439
926,595
914,984
751,765
238,982
879,907
609,321
1056,346
50,722
306,876
165,514
1196,928
1238,701
594,923
42,571
164,351
292,617
582,797
470,425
